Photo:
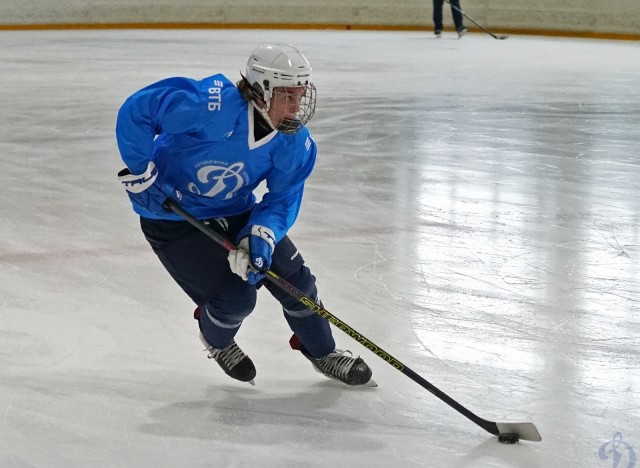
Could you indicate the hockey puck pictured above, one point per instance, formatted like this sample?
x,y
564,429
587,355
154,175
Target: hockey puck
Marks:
x,y
508,438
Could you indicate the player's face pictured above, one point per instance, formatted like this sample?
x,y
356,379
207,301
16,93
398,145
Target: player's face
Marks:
x,y
285,103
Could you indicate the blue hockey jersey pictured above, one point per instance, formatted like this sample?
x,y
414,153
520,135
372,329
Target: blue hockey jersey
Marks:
x,y
200,134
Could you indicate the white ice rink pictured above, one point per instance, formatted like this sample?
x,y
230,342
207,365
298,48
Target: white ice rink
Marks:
x,y
475,211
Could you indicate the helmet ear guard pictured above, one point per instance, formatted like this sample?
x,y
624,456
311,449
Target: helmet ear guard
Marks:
x,y
250,92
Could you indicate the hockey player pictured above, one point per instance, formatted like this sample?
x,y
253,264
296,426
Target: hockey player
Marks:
x,y
455,12
208,144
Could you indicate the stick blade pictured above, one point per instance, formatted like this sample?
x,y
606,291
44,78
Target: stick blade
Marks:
x,y
502,36
526,431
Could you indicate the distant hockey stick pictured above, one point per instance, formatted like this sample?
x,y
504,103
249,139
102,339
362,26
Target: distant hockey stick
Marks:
x,y
507,431
501,36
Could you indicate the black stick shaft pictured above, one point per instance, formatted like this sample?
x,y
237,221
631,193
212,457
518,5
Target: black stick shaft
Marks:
x,y
310,304
472,20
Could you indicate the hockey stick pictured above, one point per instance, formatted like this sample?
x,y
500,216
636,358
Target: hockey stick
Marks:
x,y
501,36
509,432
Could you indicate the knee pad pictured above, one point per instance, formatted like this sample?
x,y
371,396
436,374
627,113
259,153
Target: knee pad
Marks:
x,y
219,326
301,313
227,314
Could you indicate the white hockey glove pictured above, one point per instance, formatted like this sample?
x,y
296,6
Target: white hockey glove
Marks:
x,y
146,190
253,255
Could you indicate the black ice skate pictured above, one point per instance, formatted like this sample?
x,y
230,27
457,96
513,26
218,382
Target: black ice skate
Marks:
x,y
338,365
233,361
341,365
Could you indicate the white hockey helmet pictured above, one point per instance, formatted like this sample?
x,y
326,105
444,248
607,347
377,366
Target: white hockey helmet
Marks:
x,y
281,65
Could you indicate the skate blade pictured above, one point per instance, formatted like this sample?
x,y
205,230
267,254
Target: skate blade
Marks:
x,y
251,382
371,383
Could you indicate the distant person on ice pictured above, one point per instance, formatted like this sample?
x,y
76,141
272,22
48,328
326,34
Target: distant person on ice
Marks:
x,y
455,12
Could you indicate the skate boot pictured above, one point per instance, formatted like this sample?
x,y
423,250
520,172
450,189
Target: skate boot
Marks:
x,y
338,365
341,365
233,361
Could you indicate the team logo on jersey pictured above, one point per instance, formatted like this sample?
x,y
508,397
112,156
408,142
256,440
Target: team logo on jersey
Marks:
x,y
219,180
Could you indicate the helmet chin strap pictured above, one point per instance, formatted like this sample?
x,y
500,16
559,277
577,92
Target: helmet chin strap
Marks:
x,y
264,113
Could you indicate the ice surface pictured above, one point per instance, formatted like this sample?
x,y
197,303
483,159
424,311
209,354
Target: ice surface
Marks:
x,y
474,211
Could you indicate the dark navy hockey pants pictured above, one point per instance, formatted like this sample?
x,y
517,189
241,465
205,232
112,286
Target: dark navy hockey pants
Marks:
x,y
200,266
437,14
